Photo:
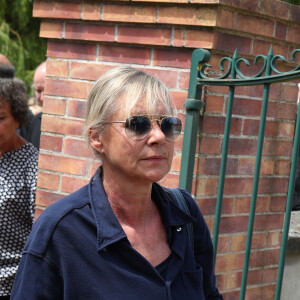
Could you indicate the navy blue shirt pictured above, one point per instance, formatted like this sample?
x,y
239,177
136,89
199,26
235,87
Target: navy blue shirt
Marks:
x,y
78,250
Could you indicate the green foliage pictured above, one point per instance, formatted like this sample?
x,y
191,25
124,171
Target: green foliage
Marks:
x,y
296,2
19,38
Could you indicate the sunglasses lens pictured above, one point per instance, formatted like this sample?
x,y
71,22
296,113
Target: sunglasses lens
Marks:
x,y
137,127
171,127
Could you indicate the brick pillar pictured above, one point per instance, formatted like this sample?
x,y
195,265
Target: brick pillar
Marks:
x,y
85,39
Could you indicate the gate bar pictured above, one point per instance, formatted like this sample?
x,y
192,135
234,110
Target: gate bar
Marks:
x,y
224,159
193,106
288,204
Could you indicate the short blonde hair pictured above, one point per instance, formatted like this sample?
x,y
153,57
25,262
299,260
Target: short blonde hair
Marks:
x,y
120,81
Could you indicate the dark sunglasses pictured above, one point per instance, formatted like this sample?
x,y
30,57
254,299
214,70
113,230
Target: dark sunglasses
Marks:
x,y
138,127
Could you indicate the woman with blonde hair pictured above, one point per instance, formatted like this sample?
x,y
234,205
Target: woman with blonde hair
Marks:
x,y
123,236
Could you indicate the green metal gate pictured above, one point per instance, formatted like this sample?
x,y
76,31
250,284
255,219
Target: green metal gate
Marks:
x,y
234,77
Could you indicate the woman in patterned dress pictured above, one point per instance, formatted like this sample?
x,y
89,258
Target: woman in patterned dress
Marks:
x,y
18,170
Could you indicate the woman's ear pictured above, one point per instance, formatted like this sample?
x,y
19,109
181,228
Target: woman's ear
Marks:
x,y
96,141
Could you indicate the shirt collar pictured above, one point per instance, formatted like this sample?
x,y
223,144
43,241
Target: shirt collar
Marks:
x,y
110,231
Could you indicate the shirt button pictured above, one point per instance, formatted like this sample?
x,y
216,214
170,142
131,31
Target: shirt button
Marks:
x,y
178,229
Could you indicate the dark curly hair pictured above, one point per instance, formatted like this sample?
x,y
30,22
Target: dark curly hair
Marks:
x,y
13,91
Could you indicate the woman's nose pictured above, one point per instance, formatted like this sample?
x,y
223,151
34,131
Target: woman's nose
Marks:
x,y
156,134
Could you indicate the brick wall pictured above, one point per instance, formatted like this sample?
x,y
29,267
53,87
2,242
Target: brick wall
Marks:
x,y
87,38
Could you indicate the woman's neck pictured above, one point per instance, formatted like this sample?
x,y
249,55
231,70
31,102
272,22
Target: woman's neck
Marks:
x,y
15,143
130,201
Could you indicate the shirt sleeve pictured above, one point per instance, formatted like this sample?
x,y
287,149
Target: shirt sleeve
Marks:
x,y
36,279
203,250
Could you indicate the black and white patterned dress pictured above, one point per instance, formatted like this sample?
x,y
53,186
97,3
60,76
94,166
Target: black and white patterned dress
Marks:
x,y
18,173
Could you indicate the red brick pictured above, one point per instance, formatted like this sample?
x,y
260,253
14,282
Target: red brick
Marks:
x,y
238,241
51,143
176,163
43,9
242,146
88,71
54,106
62,164
209,145
129,13
93,167
280,10
57,68
226,19
48,181
174,58
264,258
242,204
206,186
62,125
228,42
270,274
51,30
38,212
76,108
274,239
91,11
228,262
255,25
246,166
281,31
278,203
293,35
204,16
71,50
216,125
179,99
71,184
77,148
144,35
246,107
217,89
266,292
221,281
234,279
214,104
45,198
67,88
90,32
262,47
223,244
294,14
276,91
134,55
282,167
178,37
233,224
268,222
251,6
170,180
169,77
231,295
211,166
273,185
290,92
184,80
273,128
275,147
208,205
238,186
199,39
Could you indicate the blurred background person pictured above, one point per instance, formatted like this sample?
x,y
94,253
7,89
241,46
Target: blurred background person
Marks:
x,y
18,172
39,86
32,130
